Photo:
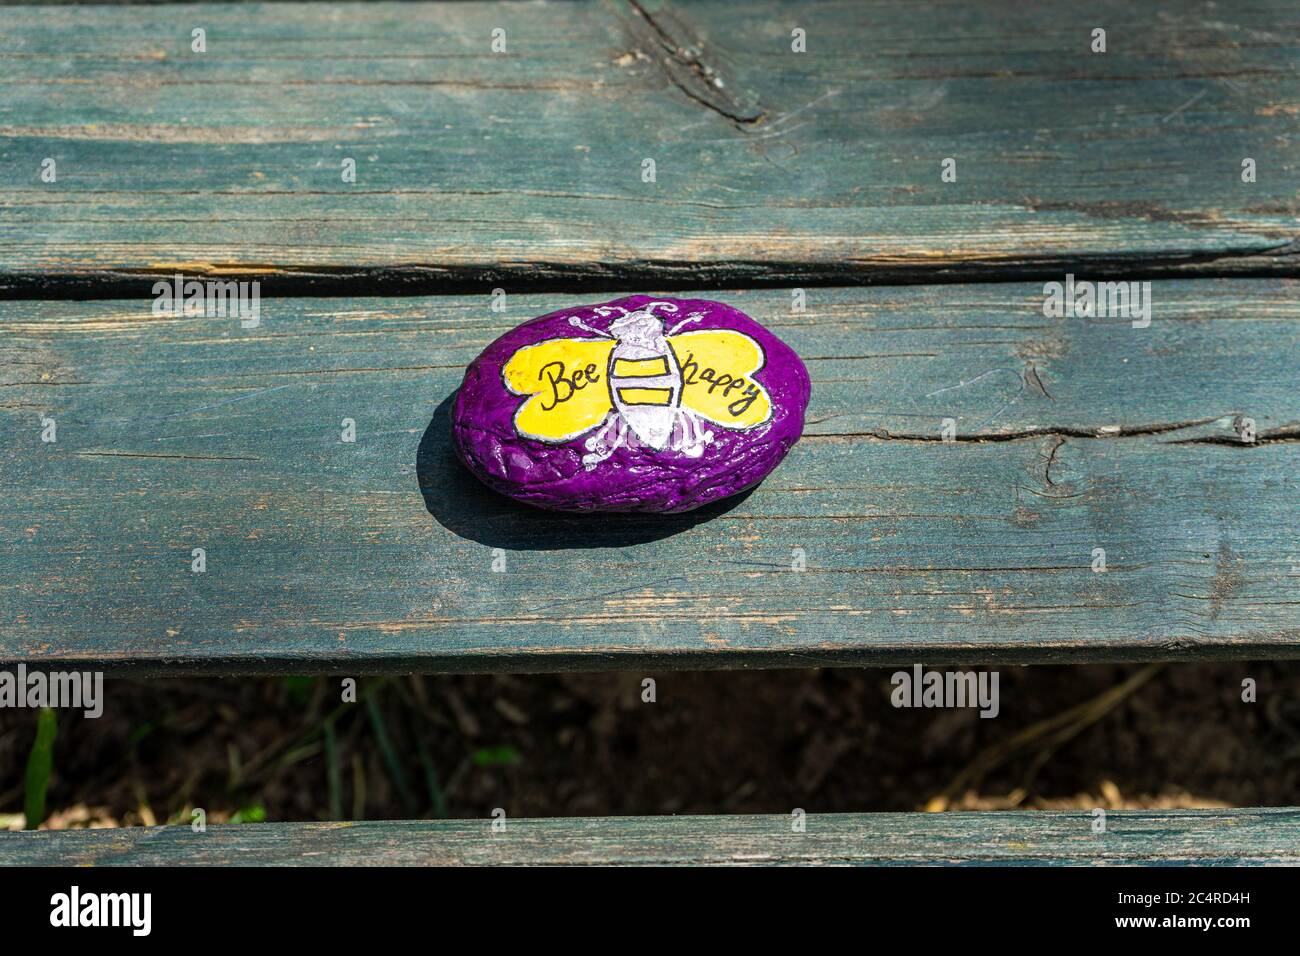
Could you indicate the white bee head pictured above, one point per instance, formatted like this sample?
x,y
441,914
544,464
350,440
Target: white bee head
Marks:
x,y
637,327
641,327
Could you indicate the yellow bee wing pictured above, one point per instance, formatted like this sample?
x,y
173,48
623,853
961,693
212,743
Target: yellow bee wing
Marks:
x,y
565,382
718,367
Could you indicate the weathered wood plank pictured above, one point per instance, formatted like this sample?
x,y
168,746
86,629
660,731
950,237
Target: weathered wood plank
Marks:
x,y
1073,434
1171,837
525,169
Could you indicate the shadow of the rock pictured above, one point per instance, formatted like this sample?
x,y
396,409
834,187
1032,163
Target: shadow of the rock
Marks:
x,y
466,507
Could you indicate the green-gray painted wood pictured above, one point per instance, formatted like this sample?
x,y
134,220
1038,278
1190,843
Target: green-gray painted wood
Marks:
x,y
326,556
524,169
1147,837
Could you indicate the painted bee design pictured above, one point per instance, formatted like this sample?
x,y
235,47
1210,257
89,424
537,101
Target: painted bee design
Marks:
x,y
637,384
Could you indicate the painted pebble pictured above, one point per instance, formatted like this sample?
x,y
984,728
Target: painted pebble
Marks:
x,y
640,404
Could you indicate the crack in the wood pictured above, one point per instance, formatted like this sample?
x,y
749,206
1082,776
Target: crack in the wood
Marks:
x,y
126,454
1032,376
1051,458
1288,433
1059,431
1117,210
709,92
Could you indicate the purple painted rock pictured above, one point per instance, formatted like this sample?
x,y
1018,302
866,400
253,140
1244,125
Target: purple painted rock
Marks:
x,y
639,404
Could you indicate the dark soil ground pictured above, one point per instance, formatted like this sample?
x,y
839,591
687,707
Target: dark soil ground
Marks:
x,y
723,742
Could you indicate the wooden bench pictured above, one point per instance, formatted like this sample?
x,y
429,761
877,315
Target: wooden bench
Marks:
x,y
1021,838
877,542
378,555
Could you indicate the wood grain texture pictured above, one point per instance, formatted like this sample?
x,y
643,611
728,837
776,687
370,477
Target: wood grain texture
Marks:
x,y
1169,837
524,169
326,556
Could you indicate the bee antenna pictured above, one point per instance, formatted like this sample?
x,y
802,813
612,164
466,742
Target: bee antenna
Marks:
x,y
577,323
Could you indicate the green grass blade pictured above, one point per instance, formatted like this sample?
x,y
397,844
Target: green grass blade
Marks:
x,y
39,765
333,775
436,796
390,757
